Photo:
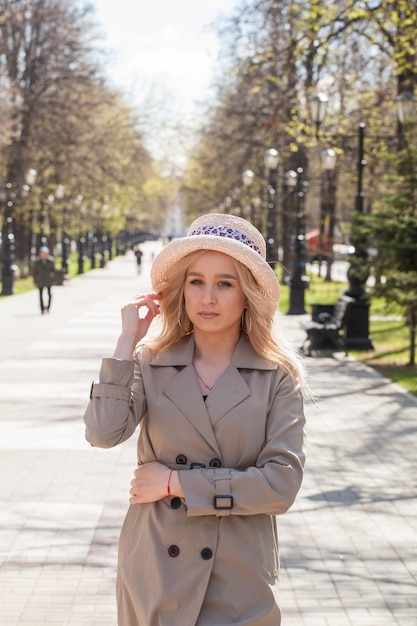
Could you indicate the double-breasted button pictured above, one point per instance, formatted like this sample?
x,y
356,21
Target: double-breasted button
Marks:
x,y
175,503
215,463
173,551
181,459
206,554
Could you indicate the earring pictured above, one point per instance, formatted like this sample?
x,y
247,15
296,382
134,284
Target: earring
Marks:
x,y
179,320
190,327
246,322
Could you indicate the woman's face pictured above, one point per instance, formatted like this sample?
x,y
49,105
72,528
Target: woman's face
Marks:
x,y
214,299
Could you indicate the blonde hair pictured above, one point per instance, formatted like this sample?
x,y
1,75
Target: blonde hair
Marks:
x,y
257,322
261,328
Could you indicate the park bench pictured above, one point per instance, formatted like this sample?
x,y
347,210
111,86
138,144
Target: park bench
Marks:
x,y
327,330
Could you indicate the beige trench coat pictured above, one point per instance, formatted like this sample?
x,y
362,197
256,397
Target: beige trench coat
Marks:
x,y
212,559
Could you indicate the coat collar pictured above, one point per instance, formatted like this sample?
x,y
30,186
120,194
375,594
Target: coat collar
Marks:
x,y
181,354
228,392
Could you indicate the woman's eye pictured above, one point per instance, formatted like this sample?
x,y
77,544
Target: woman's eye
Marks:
x,y
200,281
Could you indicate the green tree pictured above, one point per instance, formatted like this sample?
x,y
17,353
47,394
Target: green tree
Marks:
x,y
392,232
60,117
45,53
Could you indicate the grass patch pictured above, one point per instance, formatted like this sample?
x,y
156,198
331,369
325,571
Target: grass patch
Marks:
x,y
318,292
391,354
22,285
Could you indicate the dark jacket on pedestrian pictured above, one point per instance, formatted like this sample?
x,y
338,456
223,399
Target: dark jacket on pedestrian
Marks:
x,y
44,272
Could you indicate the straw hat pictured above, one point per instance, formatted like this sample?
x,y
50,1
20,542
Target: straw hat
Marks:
x,y
225,233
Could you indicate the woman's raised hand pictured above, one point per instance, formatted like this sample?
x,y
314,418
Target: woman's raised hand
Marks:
x,y
137,316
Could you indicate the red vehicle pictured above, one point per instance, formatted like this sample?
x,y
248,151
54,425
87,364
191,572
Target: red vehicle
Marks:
x,y
317,252
317,245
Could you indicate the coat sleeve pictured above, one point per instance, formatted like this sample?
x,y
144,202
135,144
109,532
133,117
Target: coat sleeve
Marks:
x,y
117,404
271,485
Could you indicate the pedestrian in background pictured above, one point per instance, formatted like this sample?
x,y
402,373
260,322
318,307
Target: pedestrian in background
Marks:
x,y
44,277
139,255
219,400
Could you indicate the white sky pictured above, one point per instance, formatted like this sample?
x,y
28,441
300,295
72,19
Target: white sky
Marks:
x,y
162,42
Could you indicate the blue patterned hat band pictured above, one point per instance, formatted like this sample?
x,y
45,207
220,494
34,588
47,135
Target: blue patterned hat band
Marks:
x,y
224,231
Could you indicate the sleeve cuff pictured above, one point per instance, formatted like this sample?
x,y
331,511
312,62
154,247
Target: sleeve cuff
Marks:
x,y
116,372
104,390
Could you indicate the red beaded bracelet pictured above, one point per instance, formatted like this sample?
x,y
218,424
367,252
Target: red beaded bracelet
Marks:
x,y
169,481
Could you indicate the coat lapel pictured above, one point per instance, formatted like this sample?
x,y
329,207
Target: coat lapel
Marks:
x,y
230,389
183,389
184,392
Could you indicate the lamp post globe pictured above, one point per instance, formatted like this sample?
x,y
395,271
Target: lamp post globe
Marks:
x,y
318,109
406,108
247,178
271,159
328,159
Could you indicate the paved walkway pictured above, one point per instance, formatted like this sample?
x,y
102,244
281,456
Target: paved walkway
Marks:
x,y
348,546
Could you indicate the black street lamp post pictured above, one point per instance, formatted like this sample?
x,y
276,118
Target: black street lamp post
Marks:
x,y
9,242
271,158
357,327
81,239
255,203
327,210
103,242
110,246
93,250
41,238
357,331
103,236
298,281
81,244
92,235
8,246
358,272
65,248
59,194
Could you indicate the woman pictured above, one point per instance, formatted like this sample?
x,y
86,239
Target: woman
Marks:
x,y
220,408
